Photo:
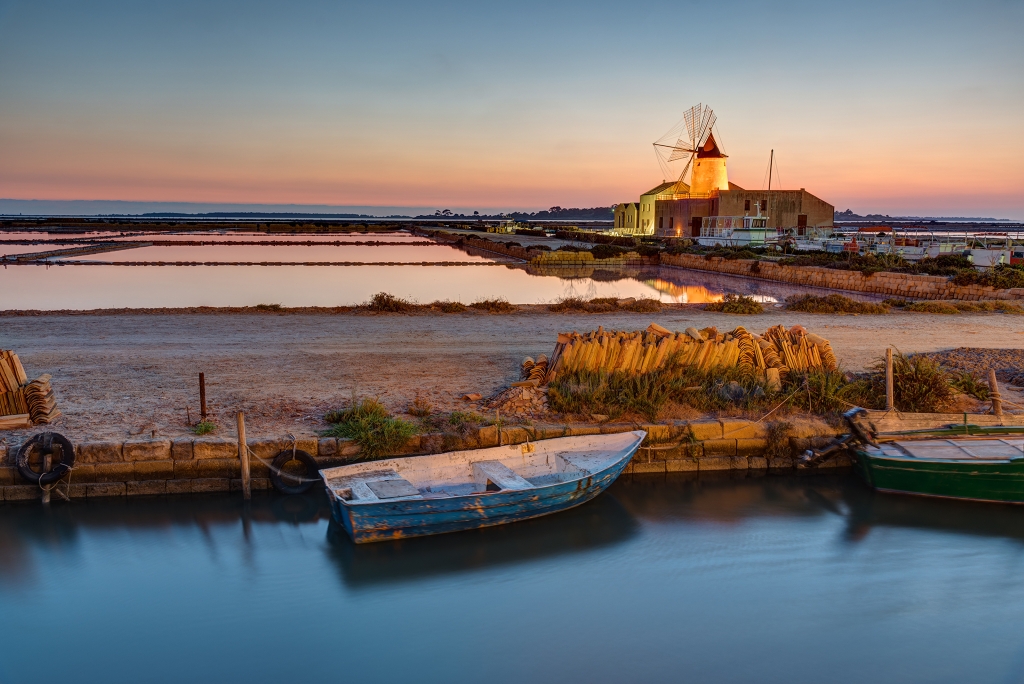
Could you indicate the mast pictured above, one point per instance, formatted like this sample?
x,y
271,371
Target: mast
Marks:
x,y
771,160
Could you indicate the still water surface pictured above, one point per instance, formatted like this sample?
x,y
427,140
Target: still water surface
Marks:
x,y
771,579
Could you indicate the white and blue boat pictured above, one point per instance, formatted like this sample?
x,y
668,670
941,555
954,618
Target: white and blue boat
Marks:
x,y
466,490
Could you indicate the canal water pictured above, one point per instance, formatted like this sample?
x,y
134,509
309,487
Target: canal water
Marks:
x,y
663,579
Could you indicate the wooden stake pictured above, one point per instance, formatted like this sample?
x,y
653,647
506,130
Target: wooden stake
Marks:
x,y
890,394
993,390
243,456
202,396
46,469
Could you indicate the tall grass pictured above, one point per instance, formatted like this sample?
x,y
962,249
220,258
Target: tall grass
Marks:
x,y
736,304
371,426
382,302
833,303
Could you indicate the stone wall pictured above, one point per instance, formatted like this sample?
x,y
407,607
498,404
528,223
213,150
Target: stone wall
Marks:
x,y
188,465
889,284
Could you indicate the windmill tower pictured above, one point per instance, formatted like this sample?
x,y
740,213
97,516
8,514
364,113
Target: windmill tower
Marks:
x,y
705,160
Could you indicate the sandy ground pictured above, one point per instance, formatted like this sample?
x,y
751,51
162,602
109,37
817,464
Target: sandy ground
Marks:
x,y
117,375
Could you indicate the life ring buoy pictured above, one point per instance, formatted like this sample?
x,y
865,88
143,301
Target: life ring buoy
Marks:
x,y
46,442
287,484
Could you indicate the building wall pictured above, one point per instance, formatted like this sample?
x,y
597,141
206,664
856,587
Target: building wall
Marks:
x,y
709,174
626,218
674,218
646,216
784,207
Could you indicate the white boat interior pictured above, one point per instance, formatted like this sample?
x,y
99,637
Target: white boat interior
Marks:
x,y
462,473
960,449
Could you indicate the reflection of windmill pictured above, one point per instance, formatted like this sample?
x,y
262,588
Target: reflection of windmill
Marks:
x,y
705,161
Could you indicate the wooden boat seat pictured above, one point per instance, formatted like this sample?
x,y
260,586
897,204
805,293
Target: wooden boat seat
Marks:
x,y
375,485
497,475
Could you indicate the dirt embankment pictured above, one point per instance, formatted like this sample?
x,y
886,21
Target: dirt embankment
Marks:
x,y
126,374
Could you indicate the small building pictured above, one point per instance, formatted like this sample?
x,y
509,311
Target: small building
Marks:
x,y
626,218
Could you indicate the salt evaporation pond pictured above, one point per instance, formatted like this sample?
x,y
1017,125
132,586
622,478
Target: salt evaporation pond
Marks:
x,y
786,579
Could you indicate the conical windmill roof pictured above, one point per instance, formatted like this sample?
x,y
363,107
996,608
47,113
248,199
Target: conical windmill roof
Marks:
x,y
710,149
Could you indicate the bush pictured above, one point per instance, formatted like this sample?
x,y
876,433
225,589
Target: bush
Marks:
x,y
734,304
606,251
419,407
566,304
970,384
1001,277
932,307
643,305
920,385
831,304
447,306
371,426
382,302
499,305
268,307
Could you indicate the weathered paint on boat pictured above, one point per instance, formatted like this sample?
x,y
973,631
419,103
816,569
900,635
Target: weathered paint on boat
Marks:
x,y
889,468
384,520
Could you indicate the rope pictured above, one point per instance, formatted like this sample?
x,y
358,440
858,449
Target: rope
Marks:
x,y
280,472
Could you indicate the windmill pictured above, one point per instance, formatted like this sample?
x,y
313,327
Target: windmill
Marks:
x,y
691,139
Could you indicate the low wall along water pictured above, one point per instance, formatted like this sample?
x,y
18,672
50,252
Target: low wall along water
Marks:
x,y
186,465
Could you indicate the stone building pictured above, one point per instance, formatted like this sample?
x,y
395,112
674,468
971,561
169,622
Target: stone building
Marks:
x,y
675,209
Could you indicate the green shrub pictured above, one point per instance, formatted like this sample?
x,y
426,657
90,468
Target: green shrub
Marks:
x,y
733,304
204,427
969,383
833,303
1002,277
371,426
607,251
268,307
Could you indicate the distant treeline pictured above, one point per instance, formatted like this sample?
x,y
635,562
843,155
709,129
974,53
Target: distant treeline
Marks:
x,y
848,215
552,214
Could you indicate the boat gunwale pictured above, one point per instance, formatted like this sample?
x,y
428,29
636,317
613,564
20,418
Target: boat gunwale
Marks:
x,y
628,453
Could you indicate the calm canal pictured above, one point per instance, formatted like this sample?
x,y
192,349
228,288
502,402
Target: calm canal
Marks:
x,y
770,579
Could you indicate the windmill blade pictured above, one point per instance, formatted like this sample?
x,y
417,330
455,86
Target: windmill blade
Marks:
x,y
707,121
685,169
680,151
692,119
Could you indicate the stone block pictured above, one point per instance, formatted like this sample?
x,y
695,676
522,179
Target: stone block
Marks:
x,y
715,463
579,431
269,447
99,452
154,470
645,467
719,447
147,450
678,465
516,435
309,444
705,429
327,446
6,453
751,446
179,486
211,484
236,484
83,472
8,476
743,429
113,472
218,467
105,489
22,492
782,463
615,428
214,447
546,432
757,462
78,491
181,449
261,483
186,470
150,488
258,469
657,433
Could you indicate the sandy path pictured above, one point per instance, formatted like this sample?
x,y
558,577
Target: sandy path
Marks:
x,y
123,374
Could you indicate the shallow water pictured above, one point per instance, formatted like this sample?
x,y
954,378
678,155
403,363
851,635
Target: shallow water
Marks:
x,y
287,253
772,579
81,286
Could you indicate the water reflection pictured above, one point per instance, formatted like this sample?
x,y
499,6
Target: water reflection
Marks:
x,y
603,522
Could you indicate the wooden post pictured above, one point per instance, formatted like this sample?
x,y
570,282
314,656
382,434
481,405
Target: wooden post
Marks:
x,y
243,456
202,396
993,390
890,394
46,469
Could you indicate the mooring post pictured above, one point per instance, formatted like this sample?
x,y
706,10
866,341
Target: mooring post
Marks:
x,y
890,394
202,396
46,469
243,456
993,390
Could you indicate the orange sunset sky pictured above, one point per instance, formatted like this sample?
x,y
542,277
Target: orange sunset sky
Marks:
x,y
900,108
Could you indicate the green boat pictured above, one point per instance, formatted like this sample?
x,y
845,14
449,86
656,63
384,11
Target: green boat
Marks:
x,y
979,463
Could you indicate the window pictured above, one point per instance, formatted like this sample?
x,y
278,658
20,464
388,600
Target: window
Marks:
x,y
671,222
764,205
746,205
661,222
801,224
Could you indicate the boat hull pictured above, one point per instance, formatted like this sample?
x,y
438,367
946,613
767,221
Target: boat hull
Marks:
x,y
997,481
398,520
